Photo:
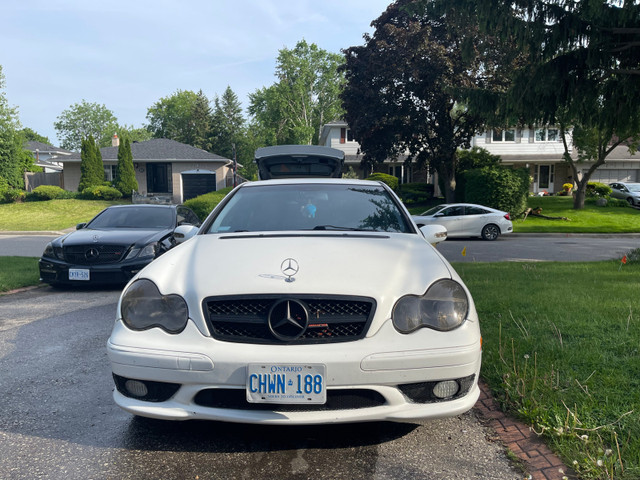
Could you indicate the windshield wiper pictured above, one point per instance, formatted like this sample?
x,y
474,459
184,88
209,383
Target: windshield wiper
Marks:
x,y
334,227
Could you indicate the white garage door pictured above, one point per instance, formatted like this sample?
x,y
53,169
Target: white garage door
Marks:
x,y
614,175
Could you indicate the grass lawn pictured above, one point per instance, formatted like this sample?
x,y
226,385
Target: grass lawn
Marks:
x,y
562,352
592,219
17,272
50,215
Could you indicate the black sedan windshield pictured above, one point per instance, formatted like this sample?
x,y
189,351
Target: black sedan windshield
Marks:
x,y
310,207
134,217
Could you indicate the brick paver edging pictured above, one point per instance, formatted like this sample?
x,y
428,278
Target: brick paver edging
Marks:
x,y
541,463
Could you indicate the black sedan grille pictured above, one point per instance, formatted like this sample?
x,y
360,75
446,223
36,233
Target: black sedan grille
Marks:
x,y
94,254
326,319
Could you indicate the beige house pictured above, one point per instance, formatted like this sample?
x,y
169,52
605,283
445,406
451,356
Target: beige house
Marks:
x,y
163,168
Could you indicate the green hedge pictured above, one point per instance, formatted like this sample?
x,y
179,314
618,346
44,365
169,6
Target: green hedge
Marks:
x,y
48,192
204,204
388,179
498,187
100,192
9,194
597,189
411,193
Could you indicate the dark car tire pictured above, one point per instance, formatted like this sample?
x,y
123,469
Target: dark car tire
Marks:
x,y
490,232
630,201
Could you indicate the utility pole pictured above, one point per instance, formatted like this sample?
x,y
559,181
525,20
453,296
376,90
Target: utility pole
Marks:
x,y
235,166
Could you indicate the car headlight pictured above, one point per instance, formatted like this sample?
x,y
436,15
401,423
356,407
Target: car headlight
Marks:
x,y
144,307
53,252
443,307
148,251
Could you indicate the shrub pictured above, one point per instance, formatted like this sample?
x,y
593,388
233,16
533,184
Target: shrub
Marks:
x,y
101,192
411,193
202,205
597,189
8,193
498,187
48,192
390,180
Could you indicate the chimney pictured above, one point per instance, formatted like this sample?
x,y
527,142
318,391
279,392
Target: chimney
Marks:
x,y
115,141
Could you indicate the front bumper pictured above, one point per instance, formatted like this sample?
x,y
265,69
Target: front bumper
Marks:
x,y
376,375
57,272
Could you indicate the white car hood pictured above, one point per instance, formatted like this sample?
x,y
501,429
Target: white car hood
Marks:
x,y
381,266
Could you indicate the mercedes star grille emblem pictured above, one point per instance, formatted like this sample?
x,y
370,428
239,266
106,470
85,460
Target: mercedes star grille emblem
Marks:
x,y
92,254
288,320
289,267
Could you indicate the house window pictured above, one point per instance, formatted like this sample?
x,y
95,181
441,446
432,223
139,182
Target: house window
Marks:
x,y
346,135
547,135
109,173
504,135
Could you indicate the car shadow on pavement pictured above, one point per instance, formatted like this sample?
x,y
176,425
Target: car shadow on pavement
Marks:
x,y
210,436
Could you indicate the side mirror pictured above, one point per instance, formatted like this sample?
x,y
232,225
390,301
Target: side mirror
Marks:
x,y
434,233
80,226
184,233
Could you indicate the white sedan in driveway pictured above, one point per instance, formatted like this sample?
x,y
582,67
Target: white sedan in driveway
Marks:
x,y
467,220
299,301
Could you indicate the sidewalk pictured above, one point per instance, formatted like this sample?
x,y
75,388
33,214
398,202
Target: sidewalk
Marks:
x,y
539,461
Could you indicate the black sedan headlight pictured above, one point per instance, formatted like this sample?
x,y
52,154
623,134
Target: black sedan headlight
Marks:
x,y
53,252
144,307
443,307
148,251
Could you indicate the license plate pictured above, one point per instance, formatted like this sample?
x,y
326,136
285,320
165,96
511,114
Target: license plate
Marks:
x,y
286,383
79,274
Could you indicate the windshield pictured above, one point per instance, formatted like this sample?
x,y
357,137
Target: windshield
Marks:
x,y
432,211
134,217
634,187
310,207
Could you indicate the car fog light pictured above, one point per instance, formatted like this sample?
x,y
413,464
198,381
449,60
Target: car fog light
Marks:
x,y
136,388
446,389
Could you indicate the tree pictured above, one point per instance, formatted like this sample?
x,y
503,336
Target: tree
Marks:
x,y
227,127
173,117
583,70
14,159
125,180
83,119
32,136
91,166
305,97
403,92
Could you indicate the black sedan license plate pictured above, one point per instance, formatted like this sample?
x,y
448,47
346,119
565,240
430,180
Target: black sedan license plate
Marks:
x,y
286,383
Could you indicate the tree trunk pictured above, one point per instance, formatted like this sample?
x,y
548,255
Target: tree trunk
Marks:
x,y
578,199
448,177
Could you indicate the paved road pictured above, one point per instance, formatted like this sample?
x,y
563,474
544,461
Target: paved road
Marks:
x,y
516,247
58,420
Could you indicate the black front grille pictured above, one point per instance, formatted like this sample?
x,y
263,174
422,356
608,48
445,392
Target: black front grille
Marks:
x,y
94,254
346,399
330,319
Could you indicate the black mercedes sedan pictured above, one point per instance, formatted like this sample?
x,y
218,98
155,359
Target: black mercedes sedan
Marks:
x,y
116,244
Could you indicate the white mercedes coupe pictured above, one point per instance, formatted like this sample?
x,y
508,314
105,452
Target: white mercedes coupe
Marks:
x,y
299,301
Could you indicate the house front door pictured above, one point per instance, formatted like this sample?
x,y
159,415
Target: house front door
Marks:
x,y
159,178
545,178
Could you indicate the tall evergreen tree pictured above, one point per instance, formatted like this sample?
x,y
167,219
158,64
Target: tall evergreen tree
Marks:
x,y
125,180
227,128
91,167
13,157
201,117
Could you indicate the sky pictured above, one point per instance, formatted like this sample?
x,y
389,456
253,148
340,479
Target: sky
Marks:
x,y
127,55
